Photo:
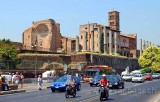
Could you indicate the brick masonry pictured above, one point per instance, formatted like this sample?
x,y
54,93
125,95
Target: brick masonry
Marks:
x,y
116,62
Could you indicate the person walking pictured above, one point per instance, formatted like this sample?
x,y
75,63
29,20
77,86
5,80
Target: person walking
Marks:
x,y
17,78
40,82
4,85
21,80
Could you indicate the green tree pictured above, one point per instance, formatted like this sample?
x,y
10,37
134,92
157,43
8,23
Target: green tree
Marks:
x,y
8,54
150,58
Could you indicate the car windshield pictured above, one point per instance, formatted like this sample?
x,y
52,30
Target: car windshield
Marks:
x,y
127,75
156,74
62,79
112,78
137,75
98,77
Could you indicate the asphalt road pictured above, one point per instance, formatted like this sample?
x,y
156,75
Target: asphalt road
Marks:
x,y
133,92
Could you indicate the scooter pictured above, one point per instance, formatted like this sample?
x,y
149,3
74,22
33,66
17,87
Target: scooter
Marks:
x,y
70,91
104,93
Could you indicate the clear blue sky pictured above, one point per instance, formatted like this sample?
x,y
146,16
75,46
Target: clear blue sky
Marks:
x,y
136,16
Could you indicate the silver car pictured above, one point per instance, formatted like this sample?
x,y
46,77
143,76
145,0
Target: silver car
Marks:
x,y
138,78
156,75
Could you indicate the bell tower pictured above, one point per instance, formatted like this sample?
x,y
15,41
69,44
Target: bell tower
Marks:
x,y
113,20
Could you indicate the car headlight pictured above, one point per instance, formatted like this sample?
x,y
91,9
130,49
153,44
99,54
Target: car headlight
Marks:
x,y
63,84
116,83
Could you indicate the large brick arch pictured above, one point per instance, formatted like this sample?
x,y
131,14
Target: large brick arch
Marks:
x,y
41,29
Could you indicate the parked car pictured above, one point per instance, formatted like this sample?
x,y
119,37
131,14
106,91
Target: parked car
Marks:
x,y
61,83
156,75
147,76
127,77
138,78
115,81
96,80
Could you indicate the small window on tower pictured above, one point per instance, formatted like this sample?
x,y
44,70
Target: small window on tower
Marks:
x,y
107,34
81,37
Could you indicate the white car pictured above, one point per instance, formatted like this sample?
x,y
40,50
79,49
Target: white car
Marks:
x,y
127,77
138,78
156,75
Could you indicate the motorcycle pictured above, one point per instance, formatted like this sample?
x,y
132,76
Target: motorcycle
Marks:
x,y
70,90
104,92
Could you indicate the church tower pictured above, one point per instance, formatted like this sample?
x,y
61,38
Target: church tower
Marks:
x,y
113,20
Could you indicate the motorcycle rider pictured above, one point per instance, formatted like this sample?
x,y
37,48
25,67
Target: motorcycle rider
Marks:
x,y
104,82
71,82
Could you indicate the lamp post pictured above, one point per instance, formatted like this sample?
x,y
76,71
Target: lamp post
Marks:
x,y
35,69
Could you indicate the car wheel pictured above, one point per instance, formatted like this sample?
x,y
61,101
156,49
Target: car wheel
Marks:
x,y
122,86
52,90
91,85
132,81
79,87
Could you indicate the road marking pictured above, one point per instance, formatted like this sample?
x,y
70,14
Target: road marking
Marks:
x,y
114,92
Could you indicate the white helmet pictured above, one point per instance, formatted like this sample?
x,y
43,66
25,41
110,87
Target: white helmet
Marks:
x,y
103,75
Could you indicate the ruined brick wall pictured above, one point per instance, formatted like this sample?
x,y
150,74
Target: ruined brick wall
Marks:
x,y
117,63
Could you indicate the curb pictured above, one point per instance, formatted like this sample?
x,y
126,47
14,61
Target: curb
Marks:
x,y
11,92
48,87
82,81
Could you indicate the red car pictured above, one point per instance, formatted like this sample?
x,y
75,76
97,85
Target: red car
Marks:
x,y
148,76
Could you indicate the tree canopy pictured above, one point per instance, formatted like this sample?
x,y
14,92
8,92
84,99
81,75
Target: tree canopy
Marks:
x,y
8,54
150,58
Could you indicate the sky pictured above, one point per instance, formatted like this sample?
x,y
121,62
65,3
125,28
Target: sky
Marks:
x,y
136,16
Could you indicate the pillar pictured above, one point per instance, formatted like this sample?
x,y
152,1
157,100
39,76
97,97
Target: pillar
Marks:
x,y
144,45
153,44
147,45
92,38
85,41
150,43
115,42
77,43
141,47
105,40
110,41
99,39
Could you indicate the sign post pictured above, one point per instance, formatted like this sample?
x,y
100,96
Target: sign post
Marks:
x,y
65,67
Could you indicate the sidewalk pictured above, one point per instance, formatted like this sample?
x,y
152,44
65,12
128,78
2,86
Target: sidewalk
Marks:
x,y
31,87
34,87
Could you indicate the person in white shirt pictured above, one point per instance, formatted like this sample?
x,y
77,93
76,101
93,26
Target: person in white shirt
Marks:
x,y
40,82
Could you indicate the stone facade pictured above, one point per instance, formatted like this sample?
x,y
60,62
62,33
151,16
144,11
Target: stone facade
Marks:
x,y
43,35
46,60
96,37
68,45
113,20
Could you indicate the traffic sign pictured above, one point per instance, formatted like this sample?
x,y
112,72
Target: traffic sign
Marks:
x,y
65,67
79,67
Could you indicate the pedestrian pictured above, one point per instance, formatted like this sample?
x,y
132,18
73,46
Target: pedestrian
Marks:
x,y
17,78
13,78
4,85
21,80
1,82
40,82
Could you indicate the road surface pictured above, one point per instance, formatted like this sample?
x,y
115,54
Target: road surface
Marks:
x,y
148,91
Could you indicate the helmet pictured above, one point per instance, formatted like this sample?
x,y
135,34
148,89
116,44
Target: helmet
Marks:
x,y
103,75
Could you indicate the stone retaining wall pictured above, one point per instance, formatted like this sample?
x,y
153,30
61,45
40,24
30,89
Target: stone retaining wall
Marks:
x,y
118,63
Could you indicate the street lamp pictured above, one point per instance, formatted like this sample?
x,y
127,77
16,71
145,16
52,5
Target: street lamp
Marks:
x,y
35,70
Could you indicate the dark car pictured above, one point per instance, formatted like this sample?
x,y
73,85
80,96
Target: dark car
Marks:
x,y
115,81
61,83
96,80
